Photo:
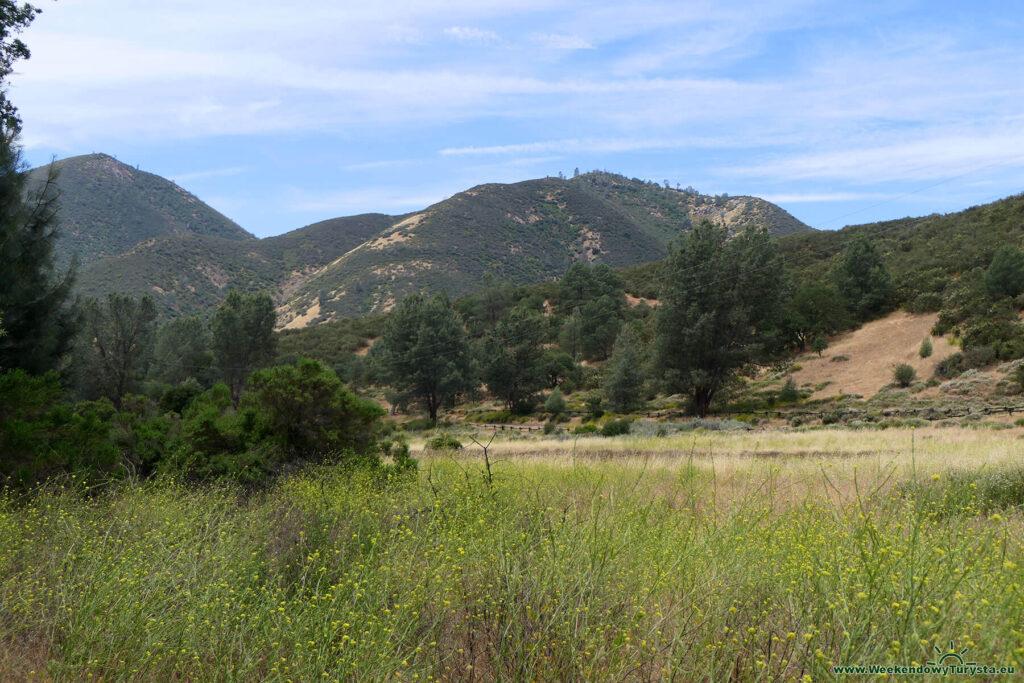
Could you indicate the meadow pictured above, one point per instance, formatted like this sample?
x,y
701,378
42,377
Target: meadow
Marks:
x,y
703,556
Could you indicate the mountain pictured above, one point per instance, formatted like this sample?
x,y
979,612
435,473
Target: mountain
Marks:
x,y
138,233
109,208
522,233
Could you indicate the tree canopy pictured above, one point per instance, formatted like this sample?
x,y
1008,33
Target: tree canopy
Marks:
x,y
243,338
423,353
863,280
719,297
1005,275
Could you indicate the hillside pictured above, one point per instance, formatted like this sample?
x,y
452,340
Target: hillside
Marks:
x,y
137,233
108,208
522,233
926,255
862,361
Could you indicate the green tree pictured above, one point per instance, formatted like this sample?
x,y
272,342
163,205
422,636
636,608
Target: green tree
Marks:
x,y
512,358
33,295
308,413
1005,275
243,338
819,344
117,344
624,381
599,321
555,403
423,353
583,283
862,279
719,299
813,310
183,350
926,348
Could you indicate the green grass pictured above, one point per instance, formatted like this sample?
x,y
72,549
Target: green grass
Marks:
x,y
561,568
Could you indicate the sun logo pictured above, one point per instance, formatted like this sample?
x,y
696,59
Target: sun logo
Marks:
x,y
957,657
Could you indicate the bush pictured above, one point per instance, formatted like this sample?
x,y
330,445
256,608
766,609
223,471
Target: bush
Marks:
x,y
904,375
175,399
594,407
789,393
418,424
398,451
444,442
555,403
41,437
589,428
927,302
551,428
926,348
615,427
289,415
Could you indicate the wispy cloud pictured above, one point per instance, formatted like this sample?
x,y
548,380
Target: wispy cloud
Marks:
x,y
560,41
469,34
210,173
817,100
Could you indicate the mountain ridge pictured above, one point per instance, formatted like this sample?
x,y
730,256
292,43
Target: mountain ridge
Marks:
x,y
139,233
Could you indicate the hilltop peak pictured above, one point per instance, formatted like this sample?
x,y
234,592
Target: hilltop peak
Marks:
x,y
108,207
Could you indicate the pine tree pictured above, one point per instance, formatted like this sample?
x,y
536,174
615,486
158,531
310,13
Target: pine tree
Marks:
x,y
863,280
720,298
33,296
423,353
243,338
624,383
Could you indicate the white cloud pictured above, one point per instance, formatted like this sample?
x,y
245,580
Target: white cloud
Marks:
x,y
210,173
558,41
468,34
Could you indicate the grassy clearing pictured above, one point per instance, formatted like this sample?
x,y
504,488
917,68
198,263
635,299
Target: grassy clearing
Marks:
x,y
639,559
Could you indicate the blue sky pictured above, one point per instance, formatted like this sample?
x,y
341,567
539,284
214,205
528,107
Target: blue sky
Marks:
x,y
281,114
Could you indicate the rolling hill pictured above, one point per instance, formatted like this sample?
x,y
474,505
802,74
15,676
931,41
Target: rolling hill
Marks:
x,y
138,233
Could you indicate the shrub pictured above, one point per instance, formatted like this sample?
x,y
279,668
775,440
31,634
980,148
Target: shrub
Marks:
x,y
615,427
306,411
444,442
175,399
840,358
1017,376
594,407
41,437
951,366
418,424
589,428
551,428
789,393
926,348
904,375
289,415
398,451
555,403
927,302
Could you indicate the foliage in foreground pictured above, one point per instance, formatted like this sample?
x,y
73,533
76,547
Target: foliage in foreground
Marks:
x,y
586,572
